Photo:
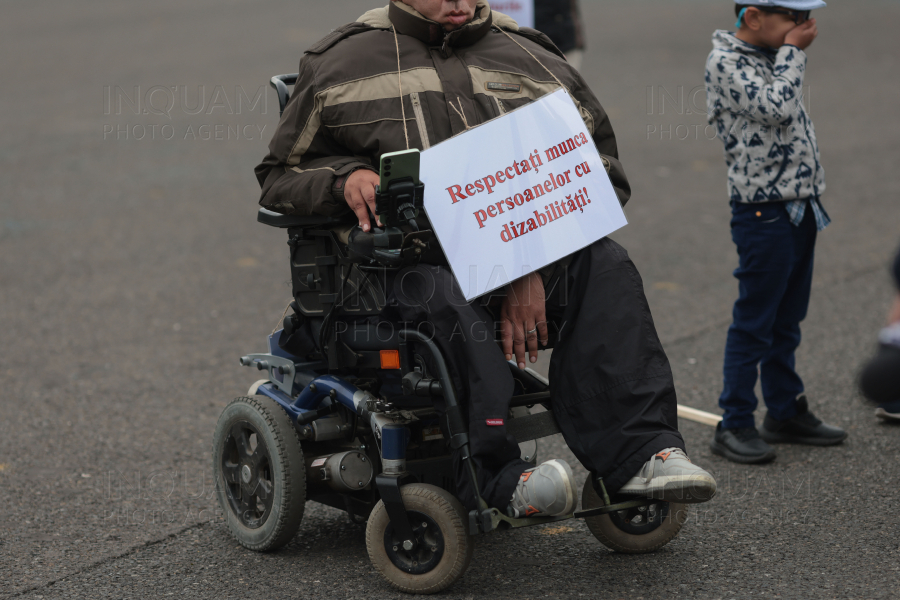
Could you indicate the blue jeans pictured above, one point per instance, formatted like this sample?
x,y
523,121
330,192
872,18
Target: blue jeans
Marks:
x,y
774,276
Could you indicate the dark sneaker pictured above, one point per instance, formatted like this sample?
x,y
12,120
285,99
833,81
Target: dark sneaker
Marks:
x,y
889,411
547,490
670,476
741,445
804,428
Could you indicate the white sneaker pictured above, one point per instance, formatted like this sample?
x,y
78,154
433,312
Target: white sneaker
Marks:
x,y
547,490
670,476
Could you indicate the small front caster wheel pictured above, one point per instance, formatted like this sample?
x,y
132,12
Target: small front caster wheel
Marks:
x,y
443,547
260,473
635,530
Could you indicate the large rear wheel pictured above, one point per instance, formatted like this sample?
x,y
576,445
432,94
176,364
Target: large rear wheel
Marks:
x,y
259,471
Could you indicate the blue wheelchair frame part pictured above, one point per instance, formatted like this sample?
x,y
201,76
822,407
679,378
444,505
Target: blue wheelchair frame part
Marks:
x,y
319,387
392,438
285,375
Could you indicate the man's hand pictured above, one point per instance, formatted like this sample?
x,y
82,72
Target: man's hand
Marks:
x,y
802,35
359,192
523,319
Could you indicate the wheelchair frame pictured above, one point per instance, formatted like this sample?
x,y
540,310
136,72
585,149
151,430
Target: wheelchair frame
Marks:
x,y
307,396
340,400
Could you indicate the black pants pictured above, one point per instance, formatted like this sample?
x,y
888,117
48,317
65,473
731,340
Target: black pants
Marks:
x,y
612,389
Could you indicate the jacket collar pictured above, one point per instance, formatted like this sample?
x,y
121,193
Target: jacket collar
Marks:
x,y
409,21
725,40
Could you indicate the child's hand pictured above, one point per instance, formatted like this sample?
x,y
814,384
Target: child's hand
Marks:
x,y
802,35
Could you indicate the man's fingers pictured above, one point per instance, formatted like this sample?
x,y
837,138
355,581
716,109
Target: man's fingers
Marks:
x,y
524,318
543,332
531,339
368,193
506,338
513,341
519,344
358,206
541,335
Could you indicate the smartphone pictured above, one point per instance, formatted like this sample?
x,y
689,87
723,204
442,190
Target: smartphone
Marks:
x,y
399,165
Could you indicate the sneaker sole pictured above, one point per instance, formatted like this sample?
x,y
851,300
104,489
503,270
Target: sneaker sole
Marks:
x,y
771,437
571,492
886,416
744,459
690,490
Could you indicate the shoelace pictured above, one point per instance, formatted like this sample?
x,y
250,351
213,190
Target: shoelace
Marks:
x,y
664,456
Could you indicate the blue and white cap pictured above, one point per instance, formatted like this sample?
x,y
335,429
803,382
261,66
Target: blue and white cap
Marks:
x,y
791,4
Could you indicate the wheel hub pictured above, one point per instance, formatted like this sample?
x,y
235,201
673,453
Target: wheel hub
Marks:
x,y
641,520
247,471
425,554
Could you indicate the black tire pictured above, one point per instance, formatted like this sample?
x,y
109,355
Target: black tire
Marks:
x,y
450,551
635,531
259,472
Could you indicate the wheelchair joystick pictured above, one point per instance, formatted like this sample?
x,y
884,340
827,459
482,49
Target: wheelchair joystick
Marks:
x,y
390,246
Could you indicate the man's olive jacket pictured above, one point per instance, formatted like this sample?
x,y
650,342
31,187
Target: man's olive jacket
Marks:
x,y
345,110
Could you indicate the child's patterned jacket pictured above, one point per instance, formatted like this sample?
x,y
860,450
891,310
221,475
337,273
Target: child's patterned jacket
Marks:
x,y
754,98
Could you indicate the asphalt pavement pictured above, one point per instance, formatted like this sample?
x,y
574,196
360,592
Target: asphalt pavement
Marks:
x,y
133,275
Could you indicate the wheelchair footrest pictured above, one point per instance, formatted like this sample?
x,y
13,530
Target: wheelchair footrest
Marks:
x,y
605,510
533,427
492,519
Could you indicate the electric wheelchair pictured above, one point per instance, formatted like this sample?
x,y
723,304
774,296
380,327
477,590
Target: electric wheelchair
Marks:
x,y
346,416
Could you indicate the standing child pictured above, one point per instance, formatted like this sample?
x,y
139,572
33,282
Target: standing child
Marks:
x,y
754,83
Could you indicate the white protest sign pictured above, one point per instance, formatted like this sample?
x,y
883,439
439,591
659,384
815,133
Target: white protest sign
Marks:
x,y
520,10
518,193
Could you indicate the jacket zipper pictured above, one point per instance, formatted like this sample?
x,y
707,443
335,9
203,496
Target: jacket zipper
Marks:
x,y
499,105
420,119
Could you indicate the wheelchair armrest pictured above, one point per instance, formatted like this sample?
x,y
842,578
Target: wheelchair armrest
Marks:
x,y
274,219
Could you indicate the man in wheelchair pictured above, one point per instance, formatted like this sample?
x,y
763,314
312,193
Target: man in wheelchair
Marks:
x,y
386,83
